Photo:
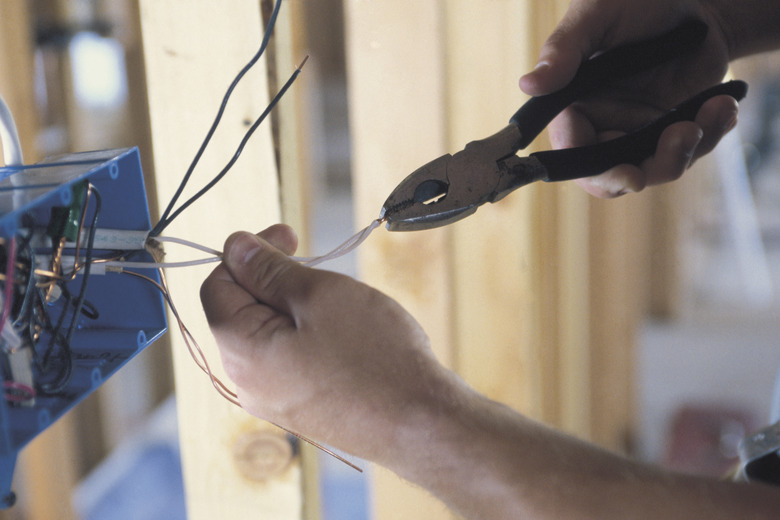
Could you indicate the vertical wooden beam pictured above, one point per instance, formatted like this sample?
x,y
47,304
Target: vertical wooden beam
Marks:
x,y
542,291
16,56
561,251
664,287
493,266
620,267
395,65
288,51
193,49
294,181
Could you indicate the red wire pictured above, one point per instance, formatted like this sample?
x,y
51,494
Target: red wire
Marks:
x,y
27,391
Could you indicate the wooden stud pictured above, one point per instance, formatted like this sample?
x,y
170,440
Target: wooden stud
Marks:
x,y
523,284
492,273
193,49
397,120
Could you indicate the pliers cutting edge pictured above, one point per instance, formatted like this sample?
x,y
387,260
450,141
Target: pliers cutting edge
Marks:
x,y
452,187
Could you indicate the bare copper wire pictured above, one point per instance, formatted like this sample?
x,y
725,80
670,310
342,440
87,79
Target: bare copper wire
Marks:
x,y
200,360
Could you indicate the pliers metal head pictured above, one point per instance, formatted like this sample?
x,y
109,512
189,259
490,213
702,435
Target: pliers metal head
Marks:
x,y
452,187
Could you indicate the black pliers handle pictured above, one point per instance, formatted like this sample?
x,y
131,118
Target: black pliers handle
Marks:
x,y
452,187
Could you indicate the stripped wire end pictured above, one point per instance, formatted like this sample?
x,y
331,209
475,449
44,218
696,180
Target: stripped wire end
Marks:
x,y
300,67
155,248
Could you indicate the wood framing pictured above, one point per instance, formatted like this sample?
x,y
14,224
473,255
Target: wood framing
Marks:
x,y
395,62
534,300
193,49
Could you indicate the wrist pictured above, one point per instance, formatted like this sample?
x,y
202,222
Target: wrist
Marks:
x,y
464,448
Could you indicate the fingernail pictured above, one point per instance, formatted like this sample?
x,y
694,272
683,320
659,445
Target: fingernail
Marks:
x,y
542,65
689,154
610,186
242,248
728,127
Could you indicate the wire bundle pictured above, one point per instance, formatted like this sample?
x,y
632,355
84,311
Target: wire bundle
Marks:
x,y
40,314
170,214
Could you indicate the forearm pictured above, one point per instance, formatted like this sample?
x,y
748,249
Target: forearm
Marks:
x,y
751,26
486,461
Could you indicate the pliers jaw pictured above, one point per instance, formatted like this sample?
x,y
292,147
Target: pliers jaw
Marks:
x,y
426,199
452,187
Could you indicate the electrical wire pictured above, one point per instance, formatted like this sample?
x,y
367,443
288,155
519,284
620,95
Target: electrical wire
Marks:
x,y
9,284
188,243
118,264
348,246
12,148
164,222
16,392
91,189
36,299
164,219
59,343
200,360
192,345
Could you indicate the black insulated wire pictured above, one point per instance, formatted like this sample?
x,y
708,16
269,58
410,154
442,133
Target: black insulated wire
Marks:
x,y
165,219
163,224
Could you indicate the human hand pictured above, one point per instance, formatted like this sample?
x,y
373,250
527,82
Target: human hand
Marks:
x,y
591,26
317,352
331,358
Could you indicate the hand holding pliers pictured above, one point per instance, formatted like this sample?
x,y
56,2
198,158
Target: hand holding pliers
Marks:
x,y
452,187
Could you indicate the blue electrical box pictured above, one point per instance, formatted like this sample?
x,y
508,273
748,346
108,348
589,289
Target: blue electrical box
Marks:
x,y
72,349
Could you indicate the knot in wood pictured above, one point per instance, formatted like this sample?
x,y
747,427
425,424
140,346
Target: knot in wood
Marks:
x,y
262,455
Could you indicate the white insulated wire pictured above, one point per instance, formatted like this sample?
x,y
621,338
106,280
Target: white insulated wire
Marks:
x,y
188,243
346,247
12,148
11,340
349,245
158,265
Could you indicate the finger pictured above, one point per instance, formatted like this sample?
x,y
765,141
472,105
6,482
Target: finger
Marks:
x,y
242,323
559,59
581,32
615,182
717,117
223,297
571,128
674,153
282,237
265,272
233,313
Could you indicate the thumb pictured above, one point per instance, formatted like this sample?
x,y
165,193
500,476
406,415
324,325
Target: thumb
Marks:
x,y
571,43
558,62
263,271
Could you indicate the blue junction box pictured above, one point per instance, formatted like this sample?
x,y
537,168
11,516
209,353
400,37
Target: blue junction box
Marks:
x,y
128,312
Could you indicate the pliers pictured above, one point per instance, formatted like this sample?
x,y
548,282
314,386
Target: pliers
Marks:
x,y
452,187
